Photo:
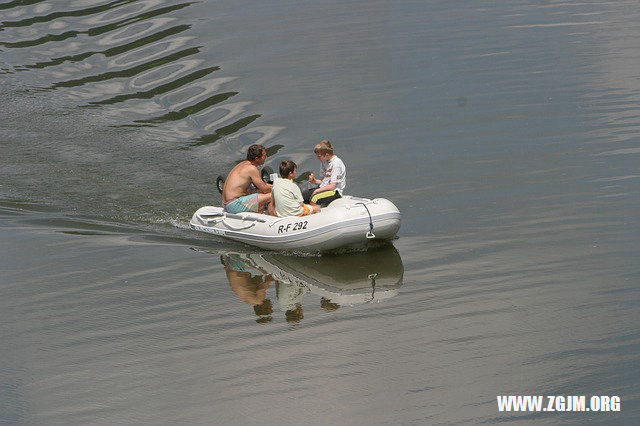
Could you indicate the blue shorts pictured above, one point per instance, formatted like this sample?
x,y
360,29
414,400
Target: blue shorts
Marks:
x,y
246,203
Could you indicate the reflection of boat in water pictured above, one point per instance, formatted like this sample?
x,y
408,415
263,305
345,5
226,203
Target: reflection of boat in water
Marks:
x,y
339,279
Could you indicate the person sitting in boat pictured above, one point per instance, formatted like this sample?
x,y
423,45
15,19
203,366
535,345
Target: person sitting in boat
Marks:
x,y
334,176
287,197
236,197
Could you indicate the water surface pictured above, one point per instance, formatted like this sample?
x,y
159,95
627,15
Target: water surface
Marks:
x,y
505,132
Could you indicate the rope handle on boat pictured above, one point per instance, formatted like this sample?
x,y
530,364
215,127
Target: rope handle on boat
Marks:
x,y
253,220
209,217
221,216
237,228
369,234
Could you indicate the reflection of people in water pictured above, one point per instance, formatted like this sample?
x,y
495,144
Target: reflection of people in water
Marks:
x,y
328,305
290,300
250,285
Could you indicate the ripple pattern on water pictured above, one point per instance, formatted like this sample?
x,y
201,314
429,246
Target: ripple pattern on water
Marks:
x,y
100,52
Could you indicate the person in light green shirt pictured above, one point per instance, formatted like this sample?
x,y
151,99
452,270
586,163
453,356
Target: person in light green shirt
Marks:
x,y
286,195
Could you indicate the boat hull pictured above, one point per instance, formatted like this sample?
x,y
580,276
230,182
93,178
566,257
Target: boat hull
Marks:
x,y
346,222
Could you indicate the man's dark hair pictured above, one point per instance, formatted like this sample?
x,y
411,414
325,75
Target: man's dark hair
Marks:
x,y
255,151
286,167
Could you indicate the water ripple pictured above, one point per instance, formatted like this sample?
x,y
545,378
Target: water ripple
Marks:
x,y
108,75
166,73
145,49
19,3
63,14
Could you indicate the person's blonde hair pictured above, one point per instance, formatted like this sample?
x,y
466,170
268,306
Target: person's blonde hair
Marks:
x,y
324,147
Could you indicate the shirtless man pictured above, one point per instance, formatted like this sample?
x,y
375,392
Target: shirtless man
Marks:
x,y
236,197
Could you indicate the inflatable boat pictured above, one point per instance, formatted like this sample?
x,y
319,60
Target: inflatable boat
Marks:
x,y
349,222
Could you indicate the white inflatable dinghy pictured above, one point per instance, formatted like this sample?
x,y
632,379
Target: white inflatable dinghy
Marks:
x,y
346,222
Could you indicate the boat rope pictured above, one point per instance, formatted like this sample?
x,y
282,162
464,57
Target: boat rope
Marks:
x,y
237,228
369,234
206,217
